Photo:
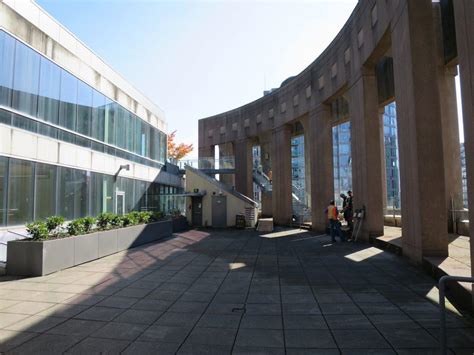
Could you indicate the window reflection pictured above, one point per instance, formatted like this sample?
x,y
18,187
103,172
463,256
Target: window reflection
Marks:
x,y
32,84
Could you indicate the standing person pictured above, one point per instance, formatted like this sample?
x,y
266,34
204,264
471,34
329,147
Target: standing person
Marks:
x,y
344,201
332,214
348,213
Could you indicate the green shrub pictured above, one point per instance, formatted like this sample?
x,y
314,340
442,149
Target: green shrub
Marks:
x,y
53,223
157,216
88,223
76,227
116,221
38,230
129,220
142,217
104,220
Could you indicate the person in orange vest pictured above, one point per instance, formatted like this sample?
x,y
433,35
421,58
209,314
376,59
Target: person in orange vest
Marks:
x,y
334,226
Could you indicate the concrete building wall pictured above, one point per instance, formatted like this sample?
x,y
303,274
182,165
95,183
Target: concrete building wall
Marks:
x,y
21,144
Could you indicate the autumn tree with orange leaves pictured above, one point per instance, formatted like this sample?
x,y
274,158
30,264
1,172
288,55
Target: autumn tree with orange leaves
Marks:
x,y
177,151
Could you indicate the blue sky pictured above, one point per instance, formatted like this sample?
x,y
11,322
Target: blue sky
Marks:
x,y
199,58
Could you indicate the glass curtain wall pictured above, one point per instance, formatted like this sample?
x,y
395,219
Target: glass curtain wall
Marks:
x,y
3,190
297,168
257,165
37,87
392,166
342,162
20,191
31,191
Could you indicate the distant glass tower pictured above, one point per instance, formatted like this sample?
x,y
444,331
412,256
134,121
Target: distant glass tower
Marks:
x,y
341,138
341,135
392,166
298,168
464,176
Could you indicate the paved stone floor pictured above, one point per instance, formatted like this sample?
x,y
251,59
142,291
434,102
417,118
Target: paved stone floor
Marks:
x,y
231,292
458,262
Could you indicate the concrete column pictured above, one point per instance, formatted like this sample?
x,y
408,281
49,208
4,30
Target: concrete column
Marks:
x,y
449,122
243,167
367,158
281,171
322,174
464,13
420,135
226,150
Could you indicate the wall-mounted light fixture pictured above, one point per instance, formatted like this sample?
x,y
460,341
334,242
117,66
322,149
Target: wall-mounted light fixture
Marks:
x,y
125,167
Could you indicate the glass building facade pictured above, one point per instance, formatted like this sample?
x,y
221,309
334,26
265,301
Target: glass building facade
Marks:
x,y
342,163
39,96
342,158
464,176
392,166
298,178
32,190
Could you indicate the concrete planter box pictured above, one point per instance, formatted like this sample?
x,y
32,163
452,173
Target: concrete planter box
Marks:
x,y
180,224
37,258
107,243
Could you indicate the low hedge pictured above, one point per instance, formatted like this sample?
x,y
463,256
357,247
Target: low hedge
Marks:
x,y
54,227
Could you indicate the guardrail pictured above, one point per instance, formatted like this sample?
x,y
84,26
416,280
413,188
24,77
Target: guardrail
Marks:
x,y
442,306
208,163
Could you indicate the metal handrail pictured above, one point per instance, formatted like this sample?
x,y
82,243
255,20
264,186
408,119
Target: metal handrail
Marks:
x,y
442,328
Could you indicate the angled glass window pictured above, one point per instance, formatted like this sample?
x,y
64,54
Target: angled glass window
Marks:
x,y
5,117
7,53
98,115
20,192
45,199
120,127
68,103
129,131
138,135
26,80
24,123
84,108
48,99
3,190
110,116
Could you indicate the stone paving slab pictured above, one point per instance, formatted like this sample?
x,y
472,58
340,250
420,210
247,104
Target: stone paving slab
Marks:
x,y
229,291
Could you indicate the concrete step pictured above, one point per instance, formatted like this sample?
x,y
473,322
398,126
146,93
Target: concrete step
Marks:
x,y
265,225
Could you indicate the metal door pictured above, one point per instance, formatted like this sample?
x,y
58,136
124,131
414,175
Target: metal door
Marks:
x,y
196,207
219,211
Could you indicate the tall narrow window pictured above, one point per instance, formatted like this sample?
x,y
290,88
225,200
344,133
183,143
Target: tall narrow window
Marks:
x,y
20,192
98,115
68,105
48,99
3,189
84,108
7,52
26,80
45,199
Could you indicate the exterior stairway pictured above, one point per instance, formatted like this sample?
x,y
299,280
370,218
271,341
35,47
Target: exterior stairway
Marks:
x,y
300,206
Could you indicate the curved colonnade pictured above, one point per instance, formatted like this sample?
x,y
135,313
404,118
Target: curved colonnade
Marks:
x,y
398,50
